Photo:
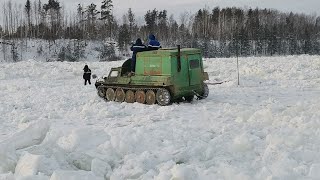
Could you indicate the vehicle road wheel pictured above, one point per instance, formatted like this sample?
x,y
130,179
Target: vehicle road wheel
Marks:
x,y
130,98
163,97
150,97
140,97
205,93
101,92
120,95
110,94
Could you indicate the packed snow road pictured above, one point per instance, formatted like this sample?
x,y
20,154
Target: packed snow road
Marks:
x,y
54,127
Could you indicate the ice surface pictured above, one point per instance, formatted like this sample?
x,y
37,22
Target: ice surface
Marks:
x,y
54,127
74,175
315,171
30,164
7,176
33,177
100,168
27,165
30,136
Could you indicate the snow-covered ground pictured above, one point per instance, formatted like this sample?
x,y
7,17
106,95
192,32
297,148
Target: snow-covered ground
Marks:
x,y
48,51
54,127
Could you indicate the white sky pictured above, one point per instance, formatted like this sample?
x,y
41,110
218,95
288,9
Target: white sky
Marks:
x,y
176,7
141,6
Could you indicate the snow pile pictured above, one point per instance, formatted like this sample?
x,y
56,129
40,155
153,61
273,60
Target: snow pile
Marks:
x,y
53,127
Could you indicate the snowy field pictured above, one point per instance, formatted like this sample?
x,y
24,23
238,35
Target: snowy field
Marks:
x,y
54,127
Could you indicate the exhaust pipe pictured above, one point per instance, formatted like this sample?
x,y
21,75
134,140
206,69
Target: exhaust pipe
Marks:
x,y
179,58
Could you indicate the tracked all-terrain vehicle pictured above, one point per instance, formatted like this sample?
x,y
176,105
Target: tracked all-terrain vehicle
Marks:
x,y
162,76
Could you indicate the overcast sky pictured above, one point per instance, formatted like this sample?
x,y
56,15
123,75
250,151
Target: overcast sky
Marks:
x,y
140,6
178,6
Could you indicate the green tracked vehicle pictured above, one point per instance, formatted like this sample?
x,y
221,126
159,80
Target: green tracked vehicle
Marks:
x,y
162,76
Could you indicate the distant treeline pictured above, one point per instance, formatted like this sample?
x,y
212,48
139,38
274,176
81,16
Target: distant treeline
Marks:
x,y
219,32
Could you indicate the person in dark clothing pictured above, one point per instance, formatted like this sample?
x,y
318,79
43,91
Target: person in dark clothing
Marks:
x,y
86,75
153,43
137,47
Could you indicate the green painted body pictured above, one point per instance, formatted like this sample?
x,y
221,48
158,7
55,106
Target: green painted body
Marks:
x,y
160,68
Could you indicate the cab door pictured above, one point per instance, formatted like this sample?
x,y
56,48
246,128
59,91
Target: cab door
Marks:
x,y
194,67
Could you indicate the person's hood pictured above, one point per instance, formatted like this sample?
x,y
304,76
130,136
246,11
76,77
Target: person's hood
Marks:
x,y
152,37
138,41
86,67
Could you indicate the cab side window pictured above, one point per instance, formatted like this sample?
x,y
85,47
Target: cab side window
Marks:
x,y
114,74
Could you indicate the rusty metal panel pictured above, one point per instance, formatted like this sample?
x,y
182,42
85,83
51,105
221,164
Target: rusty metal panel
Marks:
x,y
152,66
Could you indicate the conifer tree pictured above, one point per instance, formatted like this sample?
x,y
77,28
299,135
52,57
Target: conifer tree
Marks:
x,y
28,13
52,12
151,20
107,16
132,24
91,17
